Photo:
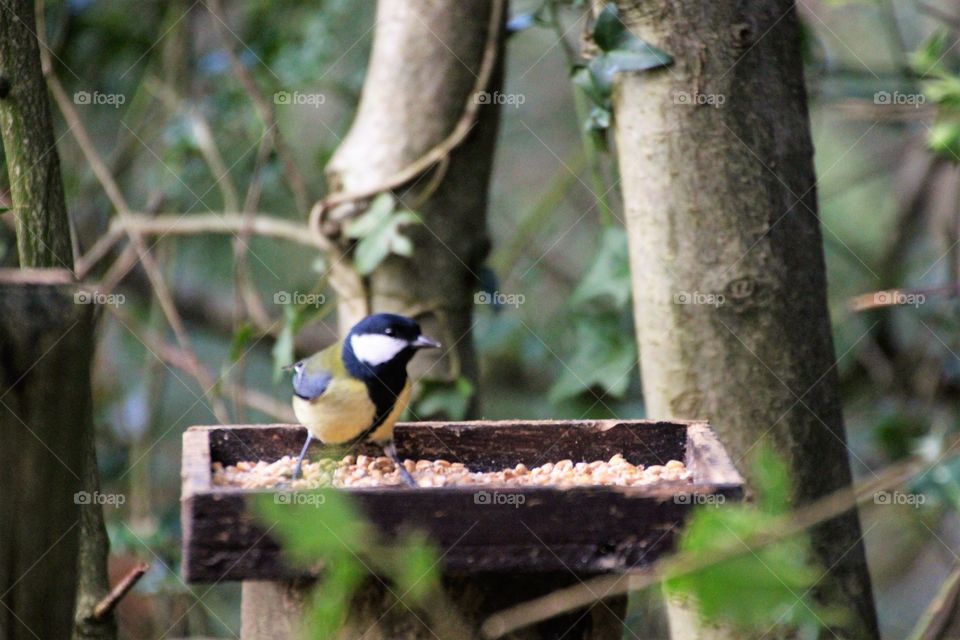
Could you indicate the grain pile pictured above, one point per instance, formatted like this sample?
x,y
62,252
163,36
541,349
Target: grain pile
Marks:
x,y
369,471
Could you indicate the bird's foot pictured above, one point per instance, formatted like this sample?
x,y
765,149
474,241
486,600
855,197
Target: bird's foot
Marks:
x,y
391,450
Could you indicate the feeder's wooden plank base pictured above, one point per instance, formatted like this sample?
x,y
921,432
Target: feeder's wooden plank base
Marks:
x,y
594,529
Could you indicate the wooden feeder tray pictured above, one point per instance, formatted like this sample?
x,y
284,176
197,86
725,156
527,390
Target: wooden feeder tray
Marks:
x,y
584,529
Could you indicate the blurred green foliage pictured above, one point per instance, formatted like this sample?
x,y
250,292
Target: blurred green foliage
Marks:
x,y
568,351
762,589
323,529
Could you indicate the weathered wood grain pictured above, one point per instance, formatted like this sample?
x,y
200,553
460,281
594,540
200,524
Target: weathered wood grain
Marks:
x,y
586,530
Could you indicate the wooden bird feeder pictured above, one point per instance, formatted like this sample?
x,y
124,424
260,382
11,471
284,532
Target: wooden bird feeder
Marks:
x,y
584,530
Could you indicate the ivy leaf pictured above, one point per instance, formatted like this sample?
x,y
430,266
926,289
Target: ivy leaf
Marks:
x,y
605,66
445,398
379,232
583,80
604,357
609,275
612,36
370,220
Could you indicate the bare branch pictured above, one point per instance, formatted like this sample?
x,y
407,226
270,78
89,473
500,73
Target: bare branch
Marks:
x,y
294,177
586,593
106,606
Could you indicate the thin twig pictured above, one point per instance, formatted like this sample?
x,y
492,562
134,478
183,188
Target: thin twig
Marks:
x,y
202,135
795,523
933,622
100,170
295,179
463,127
106,606
174,224
898,297
180,359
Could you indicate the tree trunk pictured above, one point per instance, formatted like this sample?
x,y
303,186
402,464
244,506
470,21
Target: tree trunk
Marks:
x,y
426,57
43,232
50,400
720,201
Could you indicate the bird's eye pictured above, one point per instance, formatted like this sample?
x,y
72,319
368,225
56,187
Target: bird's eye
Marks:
x,y
388,331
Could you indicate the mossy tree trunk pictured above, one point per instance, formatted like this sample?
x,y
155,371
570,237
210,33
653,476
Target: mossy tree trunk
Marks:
x,y
720,201
50,513
43,232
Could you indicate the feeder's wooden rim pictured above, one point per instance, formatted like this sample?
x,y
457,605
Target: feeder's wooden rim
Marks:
x,y
706,458
587,529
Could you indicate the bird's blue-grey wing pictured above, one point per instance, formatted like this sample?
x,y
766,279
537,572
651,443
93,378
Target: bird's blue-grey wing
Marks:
x,y
311,384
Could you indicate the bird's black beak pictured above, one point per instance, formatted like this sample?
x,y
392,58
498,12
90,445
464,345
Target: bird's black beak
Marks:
x,y
423,342
289,367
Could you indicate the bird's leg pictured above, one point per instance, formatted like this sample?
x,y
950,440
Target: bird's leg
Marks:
x,y
296,470
391,450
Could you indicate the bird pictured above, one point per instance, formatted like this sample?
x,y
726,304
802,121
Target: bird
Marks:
x,y
355,390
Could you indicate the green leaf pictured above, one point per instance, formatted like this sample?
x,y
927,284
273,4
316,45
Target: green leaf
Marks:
x,y
418,572
612,36
605,66
241,339
599,119
764,587
582,78
944,138
440,398
928,57
605,356
379,232
772,482
370,220
320,527
609,29
317,526
283,352
754,590
609,275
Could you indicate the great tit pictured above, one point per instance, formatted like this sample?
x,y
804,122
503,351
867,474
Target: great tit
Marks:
x,y
356,389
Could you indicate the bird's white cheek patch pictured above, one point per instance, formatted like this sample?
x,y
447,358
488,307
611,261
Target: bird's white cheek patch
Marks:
x,y
374,349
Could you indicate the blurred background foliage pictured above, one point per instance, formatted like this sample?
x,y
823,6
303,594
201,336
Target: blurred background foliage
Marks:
x,y
888,189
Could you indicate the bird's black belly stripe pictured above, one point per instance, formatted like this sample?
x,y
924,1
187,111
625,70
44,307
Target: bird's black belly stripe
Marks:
x,y
384,383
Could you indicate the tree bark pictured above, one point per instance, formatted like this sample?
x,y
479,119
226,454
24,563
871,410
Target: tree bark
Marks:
x,y
425,60
721,201
43,231
45,409
426,57
53,402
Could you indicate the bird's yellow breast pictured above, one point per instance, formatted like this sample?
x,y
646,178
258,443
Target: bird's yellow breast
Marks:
x,y
345,410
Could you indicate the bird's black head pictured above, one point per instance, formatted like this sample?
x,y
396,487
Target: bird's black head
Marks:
x,y
383,341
